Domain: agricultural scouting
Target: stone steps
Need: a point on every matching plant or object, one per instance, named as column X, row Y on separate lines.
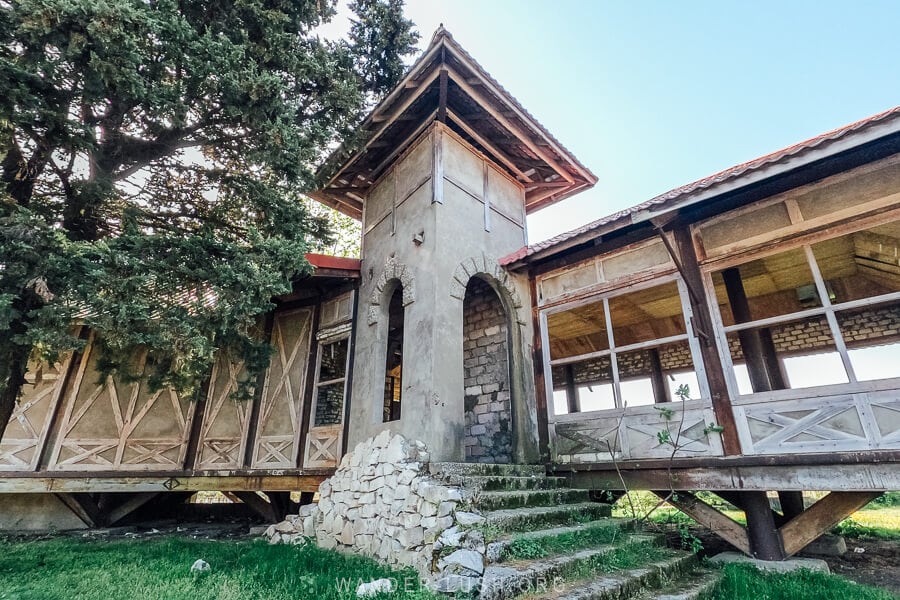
column 541, row 517
column 530, row 498
column 449, row 469
column 630, row 583
column 618, row 530
column 574, row 576
column 691, row 587
column 499, row 483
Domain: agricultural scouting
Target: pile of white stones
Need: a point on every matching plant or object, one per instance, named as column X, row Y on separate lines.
column 382, row 502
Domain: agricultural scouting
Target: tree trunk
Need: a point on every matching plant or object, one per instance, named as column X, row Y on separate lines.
column 13, row 361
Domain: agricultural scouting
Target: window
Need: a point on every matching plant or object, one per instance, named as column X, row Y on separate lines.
column 625, row 350
column 822, row 314
column 331, row 382
column 393, row 368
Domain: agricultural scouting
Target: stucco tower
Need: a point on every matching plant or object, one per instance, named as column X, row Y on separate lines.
column 444, row 336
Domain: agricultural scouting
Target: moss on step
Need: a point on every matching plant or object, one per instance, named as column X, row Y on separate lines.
column 530, row 519
column 523, row 499
column 540, row 546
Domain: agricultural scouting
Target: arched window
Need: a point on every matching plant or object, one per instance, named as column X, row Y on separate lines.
column 393, row 367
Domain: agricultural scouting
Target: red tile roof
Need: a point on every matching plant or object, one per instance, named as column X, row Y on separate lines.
column 728, row 175
column 324, row 261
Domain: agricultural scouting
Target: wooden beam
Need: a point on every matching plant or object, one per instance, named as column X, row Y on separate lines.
column 490, row 147
column 129, row 482
column 83, row 506
column 847, row 477
column 261, row 507
column 685, row 255
column 765, row 543
column 442, row 97
column 523, row 135
column 820, row 517
column 726, row 528
column 129, row 506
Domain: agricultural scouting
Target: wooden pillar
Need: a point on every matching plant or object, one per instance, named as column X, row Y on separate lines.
column 757, row 345
column 791, row 504
column 306, row 498
column 571, row 390
column 657, row 378
column 765, row 543
column 685, row 257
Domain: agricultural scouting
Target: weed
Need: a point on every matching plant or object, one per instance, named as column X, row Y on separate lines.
column 743, row 582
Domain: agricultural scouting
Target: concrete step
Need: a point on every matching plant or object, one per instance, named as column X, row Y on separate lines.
column 447, row 469
column 496, row 483
column 618, row 530
column 527, row 498
column 541, row 517
column 630, row 583
column 547, row 577
column 690, row 587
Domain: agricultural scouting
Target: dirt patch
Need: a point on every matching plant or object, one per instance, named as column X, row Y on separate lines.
column 867, row 561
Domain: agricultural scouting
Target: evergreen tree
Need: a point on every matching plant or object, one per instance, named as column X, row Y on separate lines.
column 152, row 159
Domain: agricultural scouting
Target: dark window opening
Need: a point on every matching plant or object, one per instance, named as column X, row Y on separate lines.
column 394, row 362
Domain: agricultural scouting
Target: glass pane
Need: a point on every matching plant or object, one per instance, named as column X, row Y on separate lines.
column 577, row 331
column 333, row 363
column 767, row 287
column 646, row 315
column 789, row 355
column 329, row 404
column 861, row 265
column 872, row 335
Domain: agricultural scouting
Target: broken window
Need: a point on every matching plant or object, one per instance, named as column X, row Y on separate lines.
column 821, row 314
column 394, row 359
column 628, row 349
column 331, row 382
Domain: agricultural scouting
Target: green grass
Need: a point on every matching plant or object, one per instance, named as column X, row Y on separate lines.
column 743, row 582
column 159, row 568
column 531, row 548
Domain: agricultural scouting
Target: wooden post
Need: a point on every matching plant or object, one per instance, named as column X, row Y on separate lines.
column 540, row 389
column 685, row 257
column 657, row 378
column 820, row 517
column 765, row 543
column 791, row 504
column 571, row 390
column 759, row 350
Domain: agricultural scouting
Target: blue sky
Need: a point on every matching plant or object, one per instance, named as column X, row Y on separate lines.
column 651, row 94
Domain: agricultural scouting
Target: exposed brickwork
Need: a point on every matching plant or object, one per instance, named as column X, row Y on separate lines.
column 488, row 436
column 860, row 328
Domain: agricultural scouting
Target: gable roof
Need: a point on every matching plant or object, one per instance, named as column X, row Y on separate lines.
column 446, row 84
column 792, row 157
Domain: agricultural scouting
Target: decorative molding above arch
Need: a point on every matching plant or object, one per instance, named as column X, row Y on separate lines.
column 393, row 270
column 491, row 271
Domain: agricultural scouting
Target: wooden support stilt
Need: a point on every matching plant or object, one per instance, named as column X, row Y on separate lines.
column 733, row 497
column 729, row 530
column 258, row 505
column 765, row 544
column 820, row 517
column 129, row 506
column 306, row 498
column 791, row 504
column 82, row 506
column 281, row 503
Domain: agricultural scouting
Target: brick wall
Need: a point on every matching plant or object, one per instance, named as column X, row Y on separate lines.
column 488, row 435
column 860, row 328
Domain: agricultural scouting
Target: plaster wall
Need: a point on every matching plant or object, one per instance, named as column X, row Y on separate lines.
column 434, row 238
column 36, row 512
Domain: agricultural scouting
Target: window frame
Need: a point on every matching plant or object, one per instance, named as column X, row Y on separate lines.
column 604, row 297
column 325, row 341
column 828, row 309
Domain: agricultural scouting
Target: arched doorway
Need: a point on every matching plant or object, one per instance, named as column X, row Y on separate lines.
column 488, row 406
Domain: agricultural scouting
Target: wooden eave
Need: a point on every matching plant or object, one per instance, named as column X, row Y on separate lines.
column 875, row 142
column 446, row 84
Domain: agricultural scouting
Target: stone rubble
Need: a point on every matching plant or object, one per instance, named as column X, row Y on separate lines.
column 382, row 503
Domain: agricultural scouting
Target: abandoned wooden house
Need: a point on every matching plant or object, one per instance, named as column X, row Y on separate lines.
column 740, row 334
